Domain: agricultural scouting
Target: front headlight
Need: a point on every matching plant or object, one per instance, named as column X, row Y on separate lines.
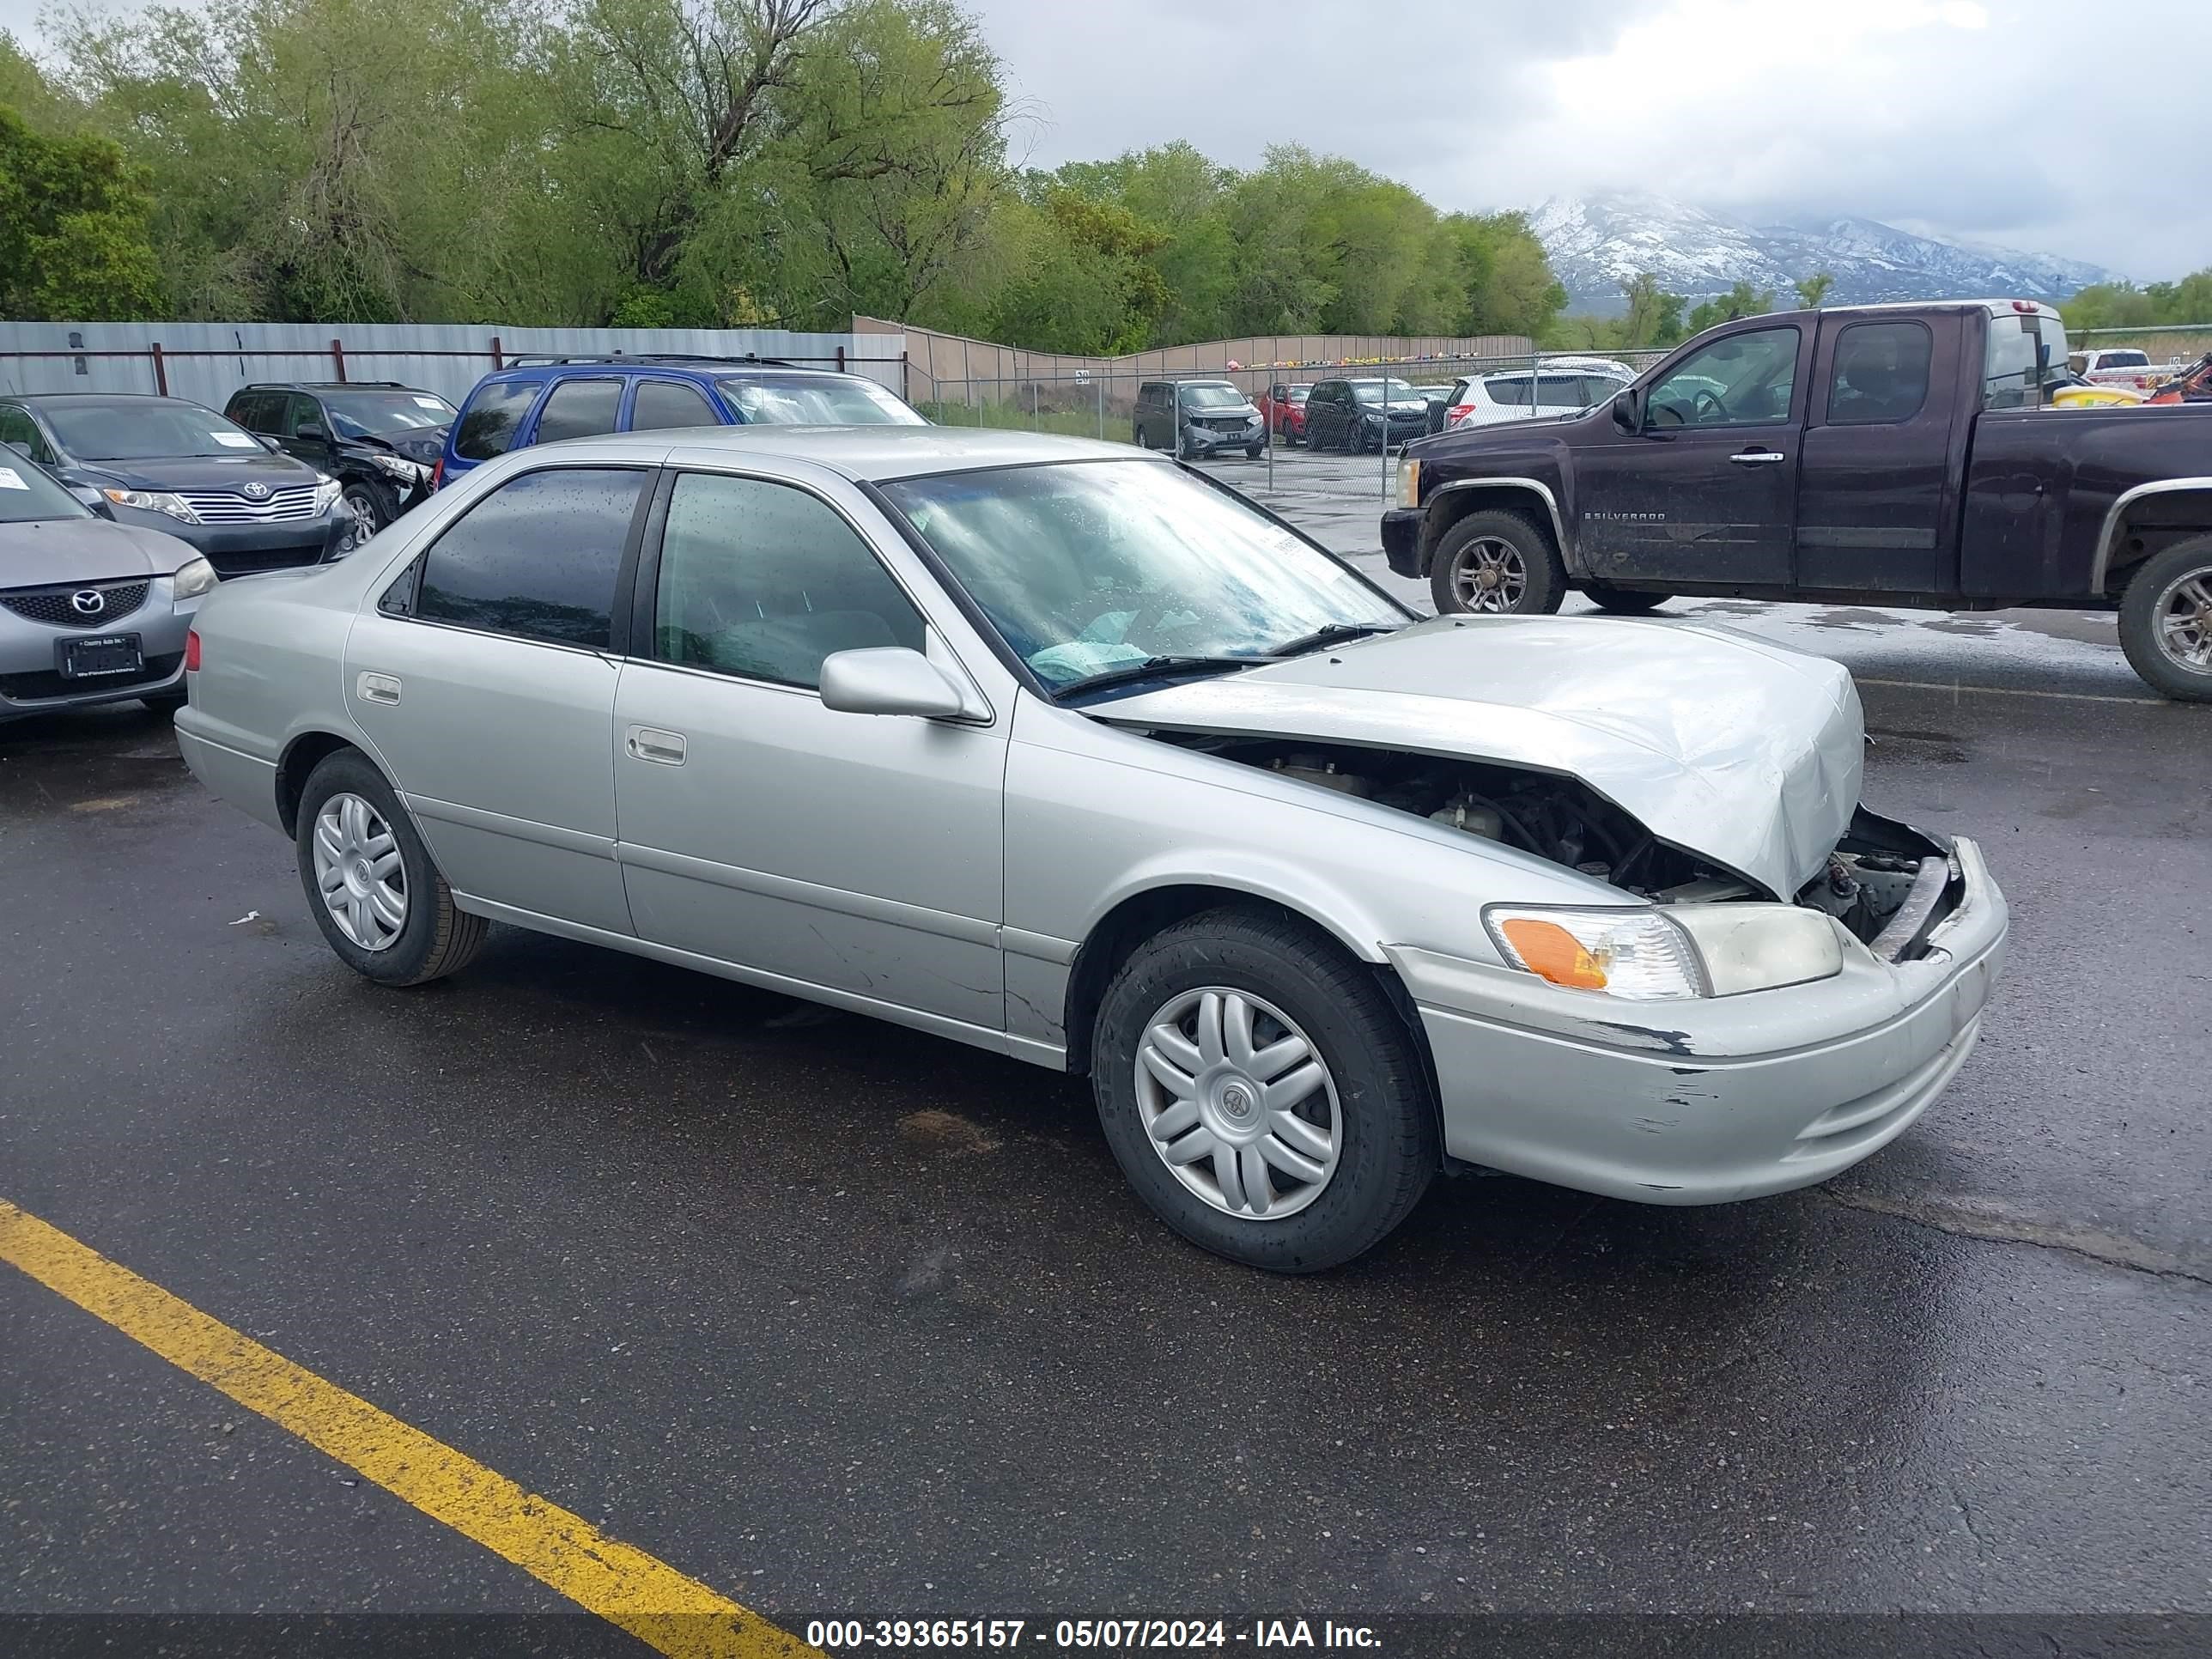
column 1635, row 955
column 1689, row 951
column 191, row 580
column 1409, row 483
column 153, row 500
column 1757, row 947
column 327, row 491
column 399, row 467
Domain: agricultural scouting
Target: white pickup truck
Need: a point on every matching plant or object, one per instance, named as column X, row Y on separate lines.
column 2127, row 366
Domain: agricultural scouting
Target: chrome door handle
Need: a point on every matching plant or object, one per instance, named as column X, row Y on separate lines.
column 649, row 743
column 1759, row 457
column 378, row 688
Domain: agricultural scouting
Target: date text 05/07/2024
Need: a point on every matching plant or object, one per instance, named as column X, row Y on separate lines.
column 832, row 1634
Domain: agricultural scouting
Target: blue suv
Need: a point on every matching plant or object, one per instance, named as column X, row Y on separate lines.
column 539, row 400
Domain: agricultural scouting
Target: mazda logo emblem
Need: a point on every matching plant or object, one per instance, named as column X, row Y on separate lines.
column 256, row 490
column 88, row 602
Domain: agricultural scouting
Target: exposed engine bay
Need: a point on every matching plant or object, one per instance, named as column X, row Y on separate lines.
column 1880, row 876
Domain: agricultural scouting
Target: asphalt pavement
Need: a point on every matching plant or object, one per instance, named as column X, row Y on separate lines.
column 846, row 1322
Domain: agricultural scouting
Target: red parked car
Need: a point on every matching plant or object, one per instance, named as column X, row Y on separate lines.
column 1284, row 408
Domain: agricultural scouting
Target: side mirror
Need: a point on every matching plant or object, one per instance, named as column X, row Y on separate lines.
column 270, row 443
column 88, row 496
column 889, row 680
column 312, row 432
column 1626, row 415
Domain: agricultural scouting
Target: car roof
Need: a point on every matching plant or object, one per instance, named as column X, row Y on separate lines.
column 709, row 368
column 332, row 385
column 878, row 453
column 89, row 399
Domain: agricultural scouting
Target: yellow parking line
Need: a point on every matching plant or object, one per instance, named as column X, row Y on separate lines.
column 625, row 1586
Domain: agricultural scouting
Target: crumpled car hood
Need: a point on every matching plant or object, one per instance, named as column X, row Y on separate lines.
column 1743, row 753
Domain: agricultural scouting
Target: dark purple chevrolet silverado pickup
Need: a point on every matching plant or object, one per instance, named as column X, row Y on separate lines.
column 1880, row 454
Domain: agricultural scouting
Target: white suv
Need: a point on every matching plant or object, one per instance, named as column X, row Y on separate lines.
column 1558, row 386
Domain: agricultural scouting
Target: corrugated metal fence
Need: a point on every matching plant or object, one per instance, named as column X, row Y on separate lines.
column 208, row 361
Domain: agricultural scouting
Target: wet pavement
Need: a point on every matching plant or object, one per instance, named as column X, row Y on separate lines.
column 846, row 1320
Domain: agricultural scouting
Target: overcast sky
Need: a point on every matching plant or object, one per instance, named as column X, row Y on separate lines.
column 2046, row 124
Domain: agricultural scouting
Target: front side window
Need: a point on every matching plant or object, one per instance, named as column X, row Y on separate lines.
column 817, row 400
column 1084, row 567
column 580, row 408
column 1745, row 380
column 657, row 404
column 487, row 430
column 305, row 418
column 764, row 580
column 1881, row 373
column 537, row 558
column 16, row 427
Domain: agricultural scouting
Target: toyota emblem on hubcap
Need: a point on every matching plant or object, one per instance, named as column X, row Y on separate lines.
column 1236, row 1100
column 88, row 602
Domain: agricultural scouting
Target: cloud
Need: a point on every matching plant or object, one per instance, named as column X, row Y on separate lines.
column 1981, row 119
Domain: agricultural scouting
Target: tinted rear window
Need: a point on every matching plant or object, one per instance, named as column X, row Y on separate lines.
column 659, row 403
column 538, row 557
column 580, row 408
column 487, row 430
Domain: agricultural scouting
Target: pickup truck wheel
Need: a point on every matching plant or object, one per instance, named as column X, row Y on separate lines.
column 2165, row 621
column 1260, row 1093
column 1622, row 601
column 1497, row 563
column 384, row 909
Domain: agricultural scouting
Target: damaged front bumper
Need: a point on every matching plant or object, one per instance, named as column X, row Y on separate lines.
column 1707, row 1100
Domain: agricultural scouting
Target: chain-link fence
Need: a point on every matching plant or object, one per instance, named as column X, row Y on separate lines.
column 1390, row 401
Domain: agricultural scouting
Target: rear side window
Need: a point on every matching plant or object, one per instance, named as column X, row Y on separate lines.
column 257, row 411
column 1881, row 373
column 660, row 404
column 580, row 408
column 1510, row 390
column 486, row 428
column 1560, row 392
column 537, row 558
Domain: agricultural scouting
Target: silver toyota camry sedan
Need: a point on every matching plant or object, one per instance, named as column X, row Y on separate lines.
column 1057, row 747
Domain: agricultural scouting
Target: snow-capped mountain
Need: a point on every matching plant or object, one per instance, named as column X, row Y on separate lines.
column 1599, row 242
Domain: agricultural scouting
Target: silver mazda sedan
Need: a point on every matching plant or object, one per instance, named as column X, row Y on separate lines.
column 1057, row 747
column 90, row 612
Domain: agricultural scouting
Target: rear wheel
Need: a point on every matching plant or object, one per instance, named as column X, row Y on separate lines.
column 382, row 905
column 2165, row 621
column 1622, row 601
column 1261, row 1094
column 1497, row 563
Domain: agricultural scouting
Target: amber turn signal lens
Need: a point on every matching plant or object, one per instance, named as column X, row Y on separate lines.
column 1551, row 952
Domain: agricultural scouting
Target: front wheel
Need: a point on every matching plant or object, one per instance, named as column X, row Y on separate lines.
column 1253, row 452
column 1622, row 601
column 384, row 909
column 1497, row 563
column 2165, row 621
column 373, row 506
column 1259, row 1092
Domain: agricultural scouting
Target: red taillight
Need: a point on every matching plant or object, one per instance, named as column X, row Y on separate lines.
column 1457, row 413
column 438, row 476
column 192, row 651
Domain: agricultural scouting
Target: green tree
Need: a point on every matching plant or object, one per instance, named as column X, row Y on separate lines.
column 73, row 229
column 1654, row 317
column 1086, row 284
column 1811, row 290
column 1740, row 301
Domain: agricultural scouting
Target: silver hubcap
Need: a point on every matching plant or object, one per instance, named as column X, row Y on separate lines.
column 1238, row 1103
column 2184, row 621
column 359, row 872
column 1490, row 574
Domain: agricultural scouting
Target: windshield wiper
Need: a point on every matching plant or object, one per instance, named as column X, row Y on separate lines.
column 1151, row 668
column 1331, row 635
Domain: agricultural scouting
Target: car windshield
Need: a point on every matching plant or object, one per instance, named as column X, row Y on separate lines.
column 28, row 495
column 358, row 414
column 144, row 430
column 812, row 400
column 1298, row 394
column 1370, row 392
column 1088, row 566
column 1210, row 397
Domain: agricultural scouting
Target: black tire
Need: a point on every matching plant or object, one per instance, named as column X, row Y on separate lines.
column 1137, row 435
column 1622, row 601
column 1542, row 578
column 373, row 506
column 1386, row 1121
column 2158, row 593
column 1253, row 452
column 436, row 938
